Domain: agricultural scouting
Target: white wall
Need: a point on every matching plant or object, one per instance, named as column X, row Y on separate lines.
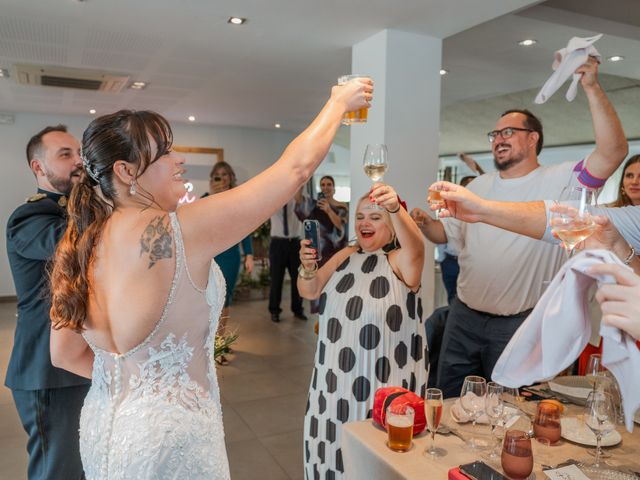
column 248, row 150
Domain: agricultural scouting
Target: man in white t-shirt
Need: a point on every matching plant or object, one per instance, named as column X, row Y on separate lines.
column 502, row 273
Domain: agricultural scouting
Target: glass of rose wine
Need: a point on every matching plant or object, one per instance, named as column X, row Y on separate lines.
column 375, row 161
column 433, row 412
column 572, row 216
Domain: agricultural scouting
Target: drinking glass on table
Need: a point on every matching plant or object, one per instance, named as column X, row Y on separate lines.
column 494, row 408
column 546, row 423
column 399, row 421
column 433, row 412
column 375, row 161
column 572, row 216
column 472, row 396
column 595, row 371
column 600, row 417
column 517, row 456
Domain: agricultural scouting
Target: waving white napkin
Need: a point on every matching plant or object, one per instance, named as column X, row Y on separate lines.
column 566, row 61
column 558, row 329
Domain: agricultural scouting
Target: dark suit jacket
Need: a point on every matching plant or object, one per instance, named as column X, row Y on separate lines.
column 33, row 231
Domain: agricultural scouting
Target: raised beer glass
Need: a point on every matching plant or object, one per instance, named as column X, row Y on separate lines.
column 357, row 116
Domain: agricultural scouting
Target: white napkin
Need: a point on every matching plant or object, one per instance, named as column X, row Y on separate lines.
column 566, row 61
column 558, row 329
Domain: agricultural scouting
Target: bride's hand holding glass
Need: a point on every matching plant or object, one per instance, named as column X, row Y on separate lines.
column 385, row 197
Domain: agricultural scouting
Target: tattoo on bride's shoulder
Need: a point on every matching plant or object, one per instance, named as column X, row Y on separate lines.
column 156, row 240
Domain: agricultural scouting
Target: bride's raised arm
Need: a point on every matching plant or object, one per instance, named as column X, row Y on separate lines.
column 215, row 223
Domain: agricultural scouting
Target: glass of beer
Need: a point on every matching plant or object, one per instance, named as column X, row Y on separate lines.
column 547, row 422
column 358, row 116
column 435, row 200
column 399, row 420
column 517, row 456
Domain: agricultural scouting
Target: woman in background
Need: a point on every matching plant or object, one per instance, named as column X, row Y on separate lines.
column 629, row 187
column 221, row 179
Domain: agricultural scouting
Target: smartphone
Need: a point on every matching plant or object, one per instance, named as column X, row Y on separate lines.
column 217, row 179
column 311, row 232
column 481, row 471
column 321, row 196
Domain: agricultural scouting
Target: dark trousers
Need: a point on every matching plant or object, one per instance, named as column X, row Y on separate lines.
column 283, row 256
column 51, row 418
column 450, row 271
column 472, row 343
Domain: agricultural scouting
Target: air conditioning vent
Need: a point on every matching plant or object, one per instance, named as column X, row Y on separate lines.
column 66, row 77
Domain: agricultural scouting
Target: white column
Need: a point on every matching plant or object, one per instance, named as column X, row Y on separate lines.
column 405, row 115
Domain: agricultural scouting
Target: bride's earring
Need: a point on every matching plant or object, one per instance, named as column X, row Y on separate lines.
column 132, row 188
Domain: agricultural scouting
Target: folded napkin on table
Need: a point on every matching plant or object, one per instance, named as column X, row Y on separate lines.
column 566, row 61
column 557, row 330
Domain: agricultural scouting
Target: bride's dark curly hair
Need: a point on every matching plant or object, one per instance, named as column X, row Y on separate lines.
column 124, row 135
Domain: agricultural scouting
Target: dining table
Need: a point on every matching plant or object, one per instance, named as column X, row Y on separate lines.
column 367, row 457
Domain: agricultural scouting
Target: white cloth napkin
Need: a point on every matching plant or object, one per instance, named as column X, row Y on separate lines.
column 558, row 329
column 565, row 62
column 458, row 414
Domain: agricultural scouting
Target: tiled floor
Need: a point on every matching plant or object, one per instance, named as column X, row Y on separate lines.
column 264, row 391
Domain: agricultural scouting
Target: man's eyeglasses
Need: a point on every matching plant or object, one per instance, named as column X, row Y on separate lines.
column 506, row 133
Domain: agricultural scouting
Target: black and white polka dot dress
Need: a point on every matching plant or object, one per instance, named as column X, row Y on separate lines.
column 371, row 335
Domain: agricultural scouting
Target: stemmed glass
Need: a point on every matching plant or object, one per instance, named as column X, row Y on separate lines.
column 433, row 411
column 572, row 216
column 375, row 161
column 494, row 408
column 472, row 395
column 600, row 417
column 595, row 370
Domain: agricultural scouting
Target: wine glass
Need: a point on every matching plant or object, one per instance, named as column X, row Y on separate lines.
column 517, row 455
column 600, row 417
column 375, row 161
column 494, row 408
column 472, row 395
column 595, row 370
column 572, row 216
column 433, row 412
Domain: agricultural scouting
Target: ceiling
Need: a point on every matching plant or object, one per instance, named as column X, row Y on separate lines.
column 277, row 67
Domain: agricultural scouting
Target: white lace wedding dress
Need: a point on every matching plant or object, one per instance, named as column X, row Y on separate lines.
column 154, row 412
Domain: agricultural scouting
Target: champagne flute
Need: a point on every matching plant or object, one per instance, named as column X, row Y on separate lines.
column 494, row 408
column 600, row 417
column 433, row 412
column 572, row 222
column 375, row 161
column 472, row 395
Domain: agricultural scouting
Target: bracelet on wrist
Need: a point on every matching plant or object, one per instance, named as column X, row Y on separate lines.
column 632, row 253
column 307, row 274
column 396, row 210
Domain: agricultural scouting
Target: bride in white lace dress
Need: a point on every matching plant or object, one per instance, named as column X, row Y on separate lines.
column 136, row 278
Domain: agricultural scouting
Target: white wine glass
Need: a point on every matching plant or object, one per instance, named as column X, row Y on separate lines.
column 572, row 216
column 375, row 161
column 494, row 408
column 433, row 404
column 472, row 396
column 600, row 417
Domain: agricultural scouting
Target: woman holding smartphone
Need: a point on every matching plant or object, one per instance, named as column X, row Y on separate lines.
column 371, row 331
column 221, row 179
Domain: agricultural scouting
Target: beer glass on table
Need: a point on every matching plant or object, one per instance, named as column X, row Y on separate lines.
column 572, row 216
column 357, row 116
column 433, row 404
column 399, row 421
column 375, row 161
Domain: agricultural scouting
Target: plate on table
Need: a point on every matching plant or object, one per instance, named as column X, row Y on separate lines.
column 576, row 430
column 575, row 388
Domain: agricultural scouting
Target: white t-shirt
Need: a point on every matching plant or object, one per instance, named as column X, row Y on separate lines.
column 502, row 272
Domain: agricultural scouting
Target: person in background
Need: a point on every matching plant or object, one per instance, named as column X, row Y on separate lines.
column 48, row 399
column 221, row 179
column 371, row 330
column 471, row 163
column 629, row 187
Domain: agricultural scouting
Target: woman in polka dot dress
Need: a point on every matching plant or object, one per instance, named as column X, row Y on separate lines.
column 371, row 330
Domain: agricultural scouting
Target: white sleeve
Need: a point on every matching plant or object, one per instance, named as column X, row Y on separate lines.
column 454, row 229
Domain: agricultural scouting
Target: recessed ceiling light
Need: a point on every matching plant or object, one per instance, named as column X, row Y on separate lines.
column 92, row 111
column 443, row 71
column 277, row 125
column 527, row 43
column 138, row 85
column 616, row 58
column 236, row 20
column 192, row 118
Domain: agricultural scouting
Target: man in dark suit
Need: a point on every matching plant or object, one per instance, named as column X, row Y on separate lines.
column 48, row 399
